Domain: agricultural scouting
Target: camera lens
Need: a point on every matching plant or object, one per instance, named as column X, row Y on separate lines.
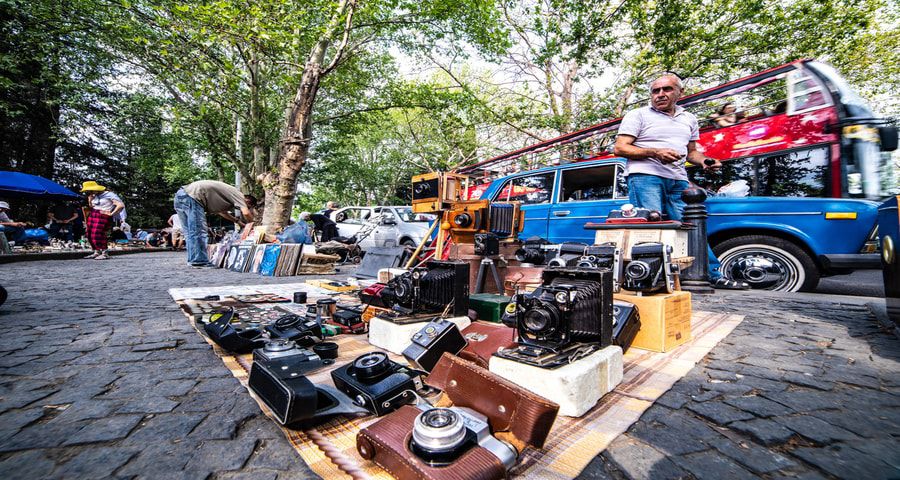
column 288, row 321
column 540, row 320
column 530, row 255
column 585, row 264
column 371, row 365
column 462, row 220
column 438, row 430
column 637, row 270
column 279, row 345
column 557, row 262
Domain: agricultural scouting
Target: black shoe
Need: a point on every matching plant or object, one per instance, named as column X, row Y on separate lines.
column 202, row 265
column 729, row 284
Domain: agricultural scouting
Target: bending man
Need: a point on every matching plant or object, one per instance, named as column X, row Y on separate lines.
column 194, row 201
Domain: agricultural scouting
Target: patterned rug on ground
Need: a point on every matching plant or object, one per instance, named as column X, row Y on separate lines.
column 330, row 448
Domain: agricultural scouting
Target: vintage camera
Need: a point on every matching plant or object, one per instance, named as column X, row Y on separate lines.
column 440, row 436
column 532, row 251
column 631, row 214
column 650, row 269
column 567, row 254
column 606, row 256
column 303, row 329
column 376, row 383
column 626, row 323
column 571, row 305
column 372, row 295
column 506, row 219
column 487, row 244
column 433, row 192
column 466, row 218
column 429, row 343
column 430, row 289
column 286, row 351
column 235, row 337
column 349, row 319
column 278, row 378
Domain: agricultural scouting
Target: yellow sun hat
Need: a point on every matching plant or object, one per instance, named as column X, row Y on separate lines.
column 92, row 186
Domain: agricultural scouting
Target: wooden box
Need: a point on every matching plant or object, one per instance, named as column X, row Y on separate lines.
column 626, row 238
column 665, row 320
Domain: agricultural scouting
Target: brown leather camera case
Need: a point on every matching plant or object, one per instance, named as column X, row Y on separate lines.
column 516, row 416
column 484, row 339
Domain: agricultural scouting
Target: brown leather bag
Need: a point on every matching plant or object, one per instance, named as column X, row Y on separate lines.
column 516, row 416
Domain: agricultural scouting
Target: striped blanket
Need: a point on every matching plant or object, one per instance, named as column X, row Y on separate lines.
column 330, row 448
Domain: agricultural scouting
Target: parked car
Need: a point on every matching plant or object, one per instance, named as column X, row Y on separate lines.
column 773, row 243
column 398, row 225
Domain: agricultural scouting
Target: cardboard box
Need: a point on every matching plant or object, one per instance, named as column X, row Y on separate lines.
column 665, row 320
column 626, row 238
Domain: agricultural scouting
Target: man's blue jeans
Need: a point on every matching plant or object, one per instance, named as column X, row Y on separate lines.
column 193, row 217
column 664, row 195
column 13, row 234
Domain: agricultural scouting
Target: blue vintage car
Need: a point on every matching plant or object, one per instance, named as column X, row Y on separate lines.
column 774, row 243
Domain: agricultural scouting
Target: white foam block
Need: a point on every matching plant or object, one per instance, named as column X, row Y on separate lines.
column 575, row 387
column 386, row 274
column 395, row 338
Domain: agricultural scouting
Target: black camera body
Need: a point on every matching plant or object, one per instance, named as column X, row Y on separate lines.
column 429, row 343
column 626, row 323
column 487, row 244
column 571, row 305
column 378, row 384
column 650, row 269
column 234, row 337
column 302, row 329
column 430, row 289
column 606, row 256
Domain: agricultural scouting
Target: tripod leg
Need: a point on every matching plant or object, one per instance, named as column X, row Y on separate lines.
column 497, row 278
column 479, row 279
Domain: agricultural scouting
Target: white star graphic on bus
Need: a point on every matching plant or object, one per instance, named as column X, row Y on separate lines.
column 808, row 118
column 718, row 137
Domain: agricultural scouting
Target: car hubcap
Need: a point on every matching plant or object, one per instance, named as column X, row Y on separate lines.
column 762, row 269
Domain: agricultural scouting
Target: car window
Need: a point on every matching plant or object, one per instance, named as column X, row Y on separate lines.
column 586, row 184
column 530, row 190
column 355, row 216
column 407, row 215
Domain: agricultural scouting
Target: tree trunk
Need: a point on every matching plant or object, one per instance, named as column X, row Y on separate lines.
column 281, row 187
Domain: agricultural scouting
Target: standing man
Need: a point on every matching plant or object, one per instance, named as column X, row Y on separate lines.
column 658, row 140
column 194, row 201
column 329, row 209
column 14, row 231
column 62, row 218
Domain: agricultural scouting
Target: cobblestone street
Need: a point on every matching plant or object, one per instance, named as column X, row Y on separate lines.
column 102, row 376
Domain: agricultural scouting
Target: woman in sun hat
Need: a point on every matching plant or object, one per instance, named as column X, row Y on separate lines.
column 105, row 207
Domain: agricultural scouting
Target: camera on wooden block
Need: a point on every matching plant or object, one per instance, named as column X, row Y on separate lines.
column 650, row 269
column 486, row 244
column 378, row 384
column 429, row 343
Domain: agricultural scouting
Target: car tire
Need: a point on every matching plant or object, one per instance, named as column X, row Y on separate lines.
column 767, row 263
column 408, row 243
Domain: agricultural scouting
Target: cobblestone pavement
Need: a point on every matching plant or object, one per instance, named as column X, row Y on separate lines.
column 102, row 376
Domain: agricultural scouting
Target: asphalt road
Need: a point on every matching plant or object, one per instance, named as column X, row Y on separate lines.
column 862, row 283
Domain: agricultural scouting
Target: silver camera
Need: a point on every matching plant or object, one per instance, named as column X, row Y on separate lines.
column 441, row 435
column 282, row 349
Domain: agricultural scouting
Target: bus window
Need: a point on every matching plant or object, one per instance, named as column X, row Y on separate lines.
column 805, row 94
column 584, row 184
column 795, row 174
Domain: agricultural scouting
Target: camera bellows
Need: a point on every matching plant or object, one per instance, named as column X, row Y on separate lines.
column 503, row 219
column 440, row 286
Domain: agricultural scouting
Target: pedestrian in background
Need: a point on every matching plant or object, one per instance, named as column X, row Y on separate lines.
column 105, row 208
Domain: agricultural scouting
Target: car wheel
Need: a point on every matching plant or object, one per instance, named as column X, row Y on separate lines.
column 767, row 263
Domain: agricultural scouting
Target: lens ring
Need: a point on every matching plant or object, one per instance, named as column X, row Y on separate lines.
column 462, row 220
column 371, row 365
column 637, row 270
column 438, row 430
column 279, row 345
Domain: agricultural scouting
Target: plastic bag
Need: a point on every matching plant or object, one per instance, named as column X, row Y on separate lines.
column 737, row 188
column 296, row 233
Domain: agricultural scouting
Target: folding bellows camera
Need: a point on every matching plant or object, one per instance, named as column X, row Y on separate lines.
column 430, row 289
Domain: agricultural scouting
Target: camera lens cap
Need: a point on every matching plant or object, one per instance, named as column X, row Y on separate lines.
column 326, row 350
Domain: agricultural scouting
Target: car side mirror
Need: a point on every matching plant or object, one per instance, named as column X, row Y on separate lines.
column 388, row 221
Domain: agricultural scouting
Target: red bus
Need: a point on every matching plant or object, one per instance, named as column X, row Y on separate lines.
column 793, row 130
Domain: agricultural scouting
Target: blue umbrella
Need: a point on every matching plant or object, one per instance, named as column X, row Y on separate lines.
column 23, row 185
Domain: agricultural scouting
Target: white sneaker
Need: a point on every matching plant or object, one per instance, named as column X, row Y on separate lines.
column 93, row 255
column 102, row 256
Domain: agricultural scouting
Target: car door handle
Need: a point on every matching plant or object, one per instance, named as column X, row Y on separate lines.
column 561, row 213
